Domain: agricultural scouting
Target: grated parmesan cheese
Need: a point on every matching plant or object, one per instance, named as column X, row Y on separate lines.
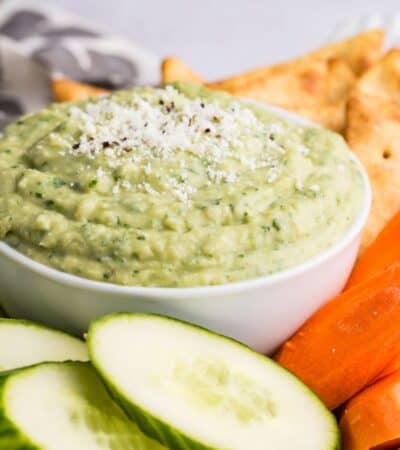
column 147, row 132
column 315, row 188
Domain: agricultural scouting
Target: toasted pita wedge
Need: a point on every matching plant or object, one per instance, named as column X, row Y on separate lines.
column 67, row 90
column 316, row 85
column 373, row 133
column 174, row 69
column 384, row 79
column 315, row 89
column 359, row 52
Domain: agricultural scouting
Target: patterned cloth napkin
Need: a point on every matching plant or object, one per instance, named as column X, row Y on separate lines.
column 40, row 42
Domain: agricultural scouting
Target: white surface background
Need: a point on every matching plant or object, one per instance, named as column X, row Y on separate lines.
column 221, row 37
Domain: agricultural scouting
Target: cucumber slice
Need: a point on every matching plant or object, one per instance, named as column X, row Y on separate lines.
column 24, row 343
column 63, row 406
column 192, row 389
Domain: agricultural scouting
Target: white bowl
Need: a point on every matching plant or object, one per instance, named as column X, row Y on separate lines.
column 261, row 313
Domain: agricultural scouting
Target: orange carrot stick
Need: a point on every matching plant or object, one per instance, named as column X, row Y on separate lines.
column 347, row 344
column 392, row 367
column 371, row 420
column 384, row 251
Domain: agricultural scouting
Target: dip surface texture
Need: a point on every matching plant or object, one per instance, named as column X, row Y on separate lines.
column 172, row 187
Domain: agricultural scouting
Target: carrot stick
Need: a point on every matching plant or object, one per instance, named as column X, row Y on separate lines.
column 347, row 344
column 384, row 251
column 371, row 420
column 392, row 367
column 390, row 445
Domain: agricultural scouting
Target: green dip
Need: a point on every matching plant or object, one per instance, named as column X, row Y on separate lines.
column 172, row 187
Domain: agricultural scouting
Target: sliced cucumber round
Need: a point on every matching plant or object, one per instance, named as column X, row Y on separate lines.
column 63, row 406
column 192, row 389
column 24, row 343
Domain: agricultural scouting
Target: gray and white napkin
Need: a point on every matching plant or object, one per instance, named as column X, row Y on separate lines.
column 38, row 42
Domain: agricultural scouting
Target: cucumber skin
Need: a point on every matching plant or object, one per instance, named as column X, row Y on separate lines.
column 10, row 437
column 40, row 326
column 155, row 428
column 158, row 429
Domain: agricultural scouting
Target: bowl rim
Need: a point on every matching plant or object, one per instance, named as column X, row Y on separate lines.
column 235, row 287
